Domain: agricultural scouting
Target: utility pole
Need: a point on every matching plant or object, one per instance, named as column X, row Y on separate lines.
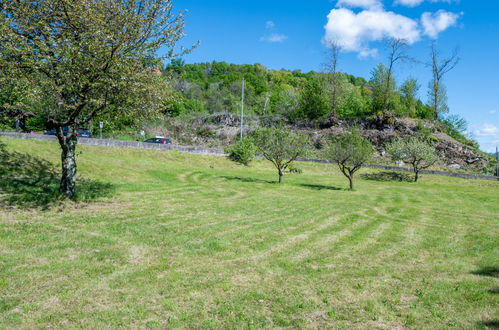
column 266, row 103
column 242, row 109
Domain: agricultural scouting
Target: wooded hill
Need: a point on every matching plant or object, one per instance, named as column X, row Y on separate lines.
column 297, row 98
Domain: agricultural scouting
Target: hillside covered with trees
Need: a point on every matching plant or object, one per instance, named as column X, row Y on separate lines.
column 302, row 99
column 292, row 95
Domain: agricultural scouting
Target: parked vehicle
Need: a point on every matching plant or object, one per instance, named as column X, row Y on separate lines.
column 83, row 132
column 159, row 139
column 80, row 132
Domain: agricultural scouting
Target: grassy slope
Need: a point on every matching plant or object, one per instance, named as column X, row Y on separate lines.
column 197, row 241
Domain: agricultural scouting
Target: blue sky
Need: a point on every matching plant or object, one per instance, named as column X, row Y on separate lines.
column 289, row 34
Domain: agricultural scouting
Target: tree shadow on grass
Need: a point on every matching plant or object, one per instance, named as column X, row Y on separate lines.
column 320, row 187
column 243, row 179
column 491, row 271
column 30, row 182
column 386, row 176
column 493, row 291
column 490, row 324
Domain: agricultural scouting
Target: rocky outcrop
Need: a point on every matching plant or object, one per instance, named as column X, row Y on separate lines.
column 456, row 153
column 383, row 129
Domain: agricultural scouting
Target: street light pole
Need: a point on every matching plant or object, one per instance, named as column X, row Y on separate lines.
column 242, row 109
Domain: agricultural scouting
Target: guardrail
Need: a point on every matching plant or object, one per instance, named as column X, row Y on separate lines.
column 120, row 144
column 220, row 153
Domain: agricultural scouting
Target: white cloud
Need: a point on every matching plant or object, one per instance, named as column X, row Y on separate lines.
column 274, row 38
column 354, row 31
column 435, row 23
column 414, row 3
column 493, row 112
column 408, row 3
column 489, row 146
column 271, row 36
column 366, row 4
column 487, row 130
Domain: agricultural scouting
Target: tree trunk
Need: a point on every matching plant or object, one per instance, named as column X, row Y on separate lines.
column 335, row 92
column 280, row 176
column 350, row 179
column 68, row 160
column 416, row 176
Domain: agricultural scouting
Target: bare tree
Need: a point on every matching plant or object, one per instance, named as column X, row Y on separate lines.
column 331, row 67
column 397, row 52
column 437, row 92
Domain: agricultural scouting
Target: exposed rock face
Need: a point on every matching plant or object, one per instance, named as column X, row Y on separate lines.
column 458, row 154
column 225, row 119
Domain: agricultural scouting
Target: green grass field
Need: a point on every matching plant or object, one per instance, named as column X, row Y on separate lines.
column 199, row 242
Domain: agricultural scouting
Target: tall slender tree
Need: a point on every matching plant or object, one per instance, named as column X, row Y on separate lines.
column 439, row 68
column 409, row 91
column 86, row 59
column 397, row 52
column 331, row 66
column 378, row 84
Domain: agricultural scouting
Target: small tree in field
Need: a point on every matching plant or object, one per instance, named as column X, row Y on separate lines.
column 280, row 146
column 86, row 59
column 350, row 151
column 415, row 151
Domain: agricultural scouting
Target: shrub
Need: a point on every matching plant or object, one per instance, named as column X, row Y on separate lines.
column 433, row 138
column 293, row 169
column 205, row 132
column 242, row 152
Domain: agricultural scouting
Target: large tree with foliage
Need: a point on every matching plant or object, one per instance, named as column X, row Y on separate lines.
column 383, row 88
column 314, row 102
column 409, row 91
column 350, row 151
column 415, row 151
column 86, row 59
column 280, row 146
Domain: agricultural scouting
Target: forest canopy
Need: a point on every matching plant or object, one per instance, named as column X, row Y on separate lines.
column 293, row 95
